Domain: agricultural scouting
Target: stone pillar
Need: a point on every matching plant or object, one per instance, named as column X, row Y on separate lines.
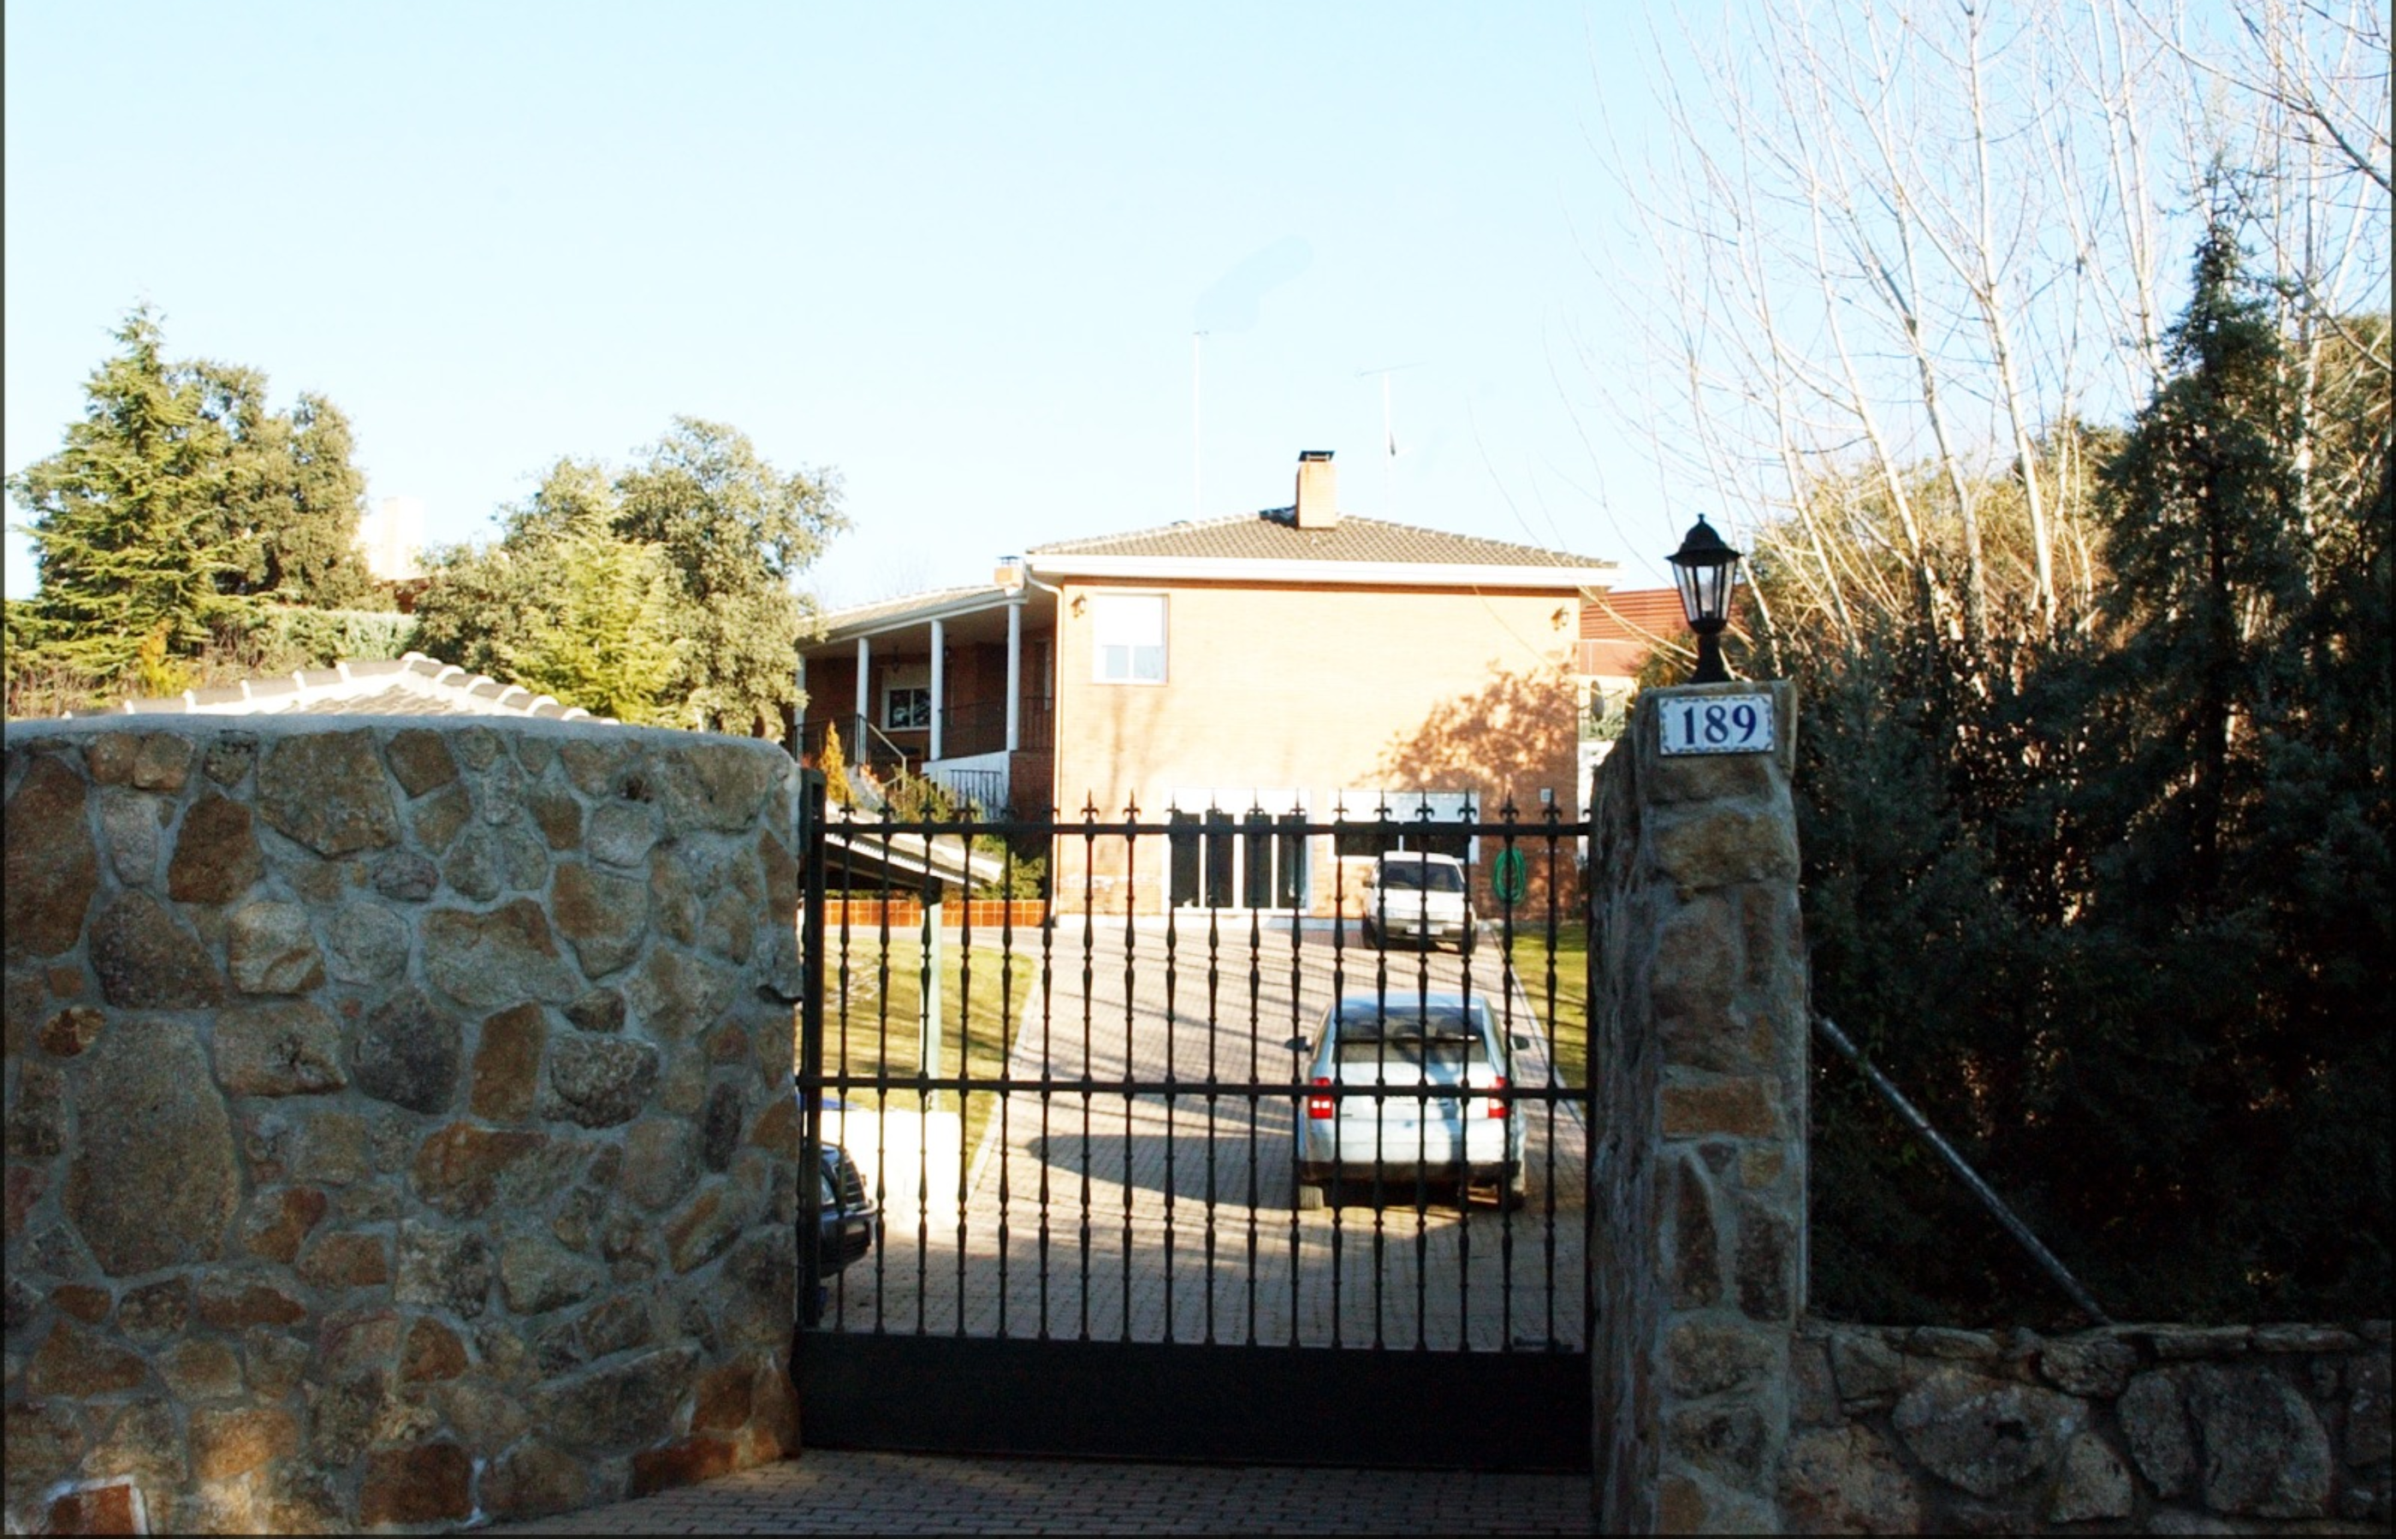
column 1698, row 1065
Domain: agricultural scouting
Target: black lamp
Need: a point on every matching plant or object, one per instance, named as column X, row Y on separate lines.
column 1706, row 570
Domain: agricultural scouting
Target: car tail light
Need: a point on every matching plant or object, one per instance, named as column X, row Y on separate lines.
column 1318, row 1107
column 1498, row 1104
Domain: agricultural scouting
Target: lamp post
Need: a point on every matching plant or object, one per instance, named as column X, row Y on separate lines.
column 1706, row 570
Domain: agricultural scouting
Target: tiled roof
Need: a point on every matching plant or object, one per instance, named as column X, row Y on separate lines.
column 413, row 686
column 865, row 614
column 1274, row 535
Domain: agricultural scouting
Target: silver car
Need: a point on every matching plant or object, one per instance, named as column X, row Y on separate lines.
column 1388, row 1104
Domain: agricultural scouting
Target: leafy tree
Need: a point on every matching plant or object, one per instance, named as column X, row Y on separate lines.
column 737, row 532
column 178, row 499
column 611, row 645
column 728, row 532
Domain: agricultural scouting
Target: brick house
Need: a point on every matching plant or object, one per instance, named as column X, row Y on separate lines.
column 1232, row 675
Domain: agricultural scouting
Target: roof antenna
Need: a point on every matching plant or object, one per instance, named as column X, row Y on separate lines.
column 1197, row 397
column 1389, row 450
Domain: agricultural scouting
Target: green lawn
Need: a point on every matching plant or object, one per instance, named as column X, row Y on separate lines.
column 1566, row 1011
column 880, row 1029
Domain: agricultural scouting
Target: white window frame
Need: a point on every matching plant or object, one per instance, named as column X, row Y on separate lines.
column 1099, row 645
column 890, row 693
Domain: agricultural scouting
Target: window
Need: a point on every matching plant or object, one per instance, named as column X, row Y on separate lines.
column 906, row 707
column 1374, row 821
column 1128, row 630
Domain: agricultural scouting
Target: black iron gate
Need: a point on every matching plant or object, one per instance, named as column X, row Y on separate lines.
column 1077, row 1121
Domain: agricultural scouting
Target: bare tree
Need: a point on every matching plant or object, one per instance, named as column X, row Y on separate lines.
column 1902, row 256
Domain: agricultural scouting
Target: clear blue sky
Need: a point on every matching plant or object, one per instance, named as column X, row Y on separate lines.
column 955, row 253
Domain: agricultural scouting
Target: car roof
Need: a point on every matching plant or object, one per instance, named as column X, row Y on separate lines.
column 1418, row 855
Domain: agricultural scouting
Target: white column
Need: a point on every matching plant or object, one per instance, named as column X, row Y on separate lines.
column 1013, row 675
column 864, row 698
column 939, row 689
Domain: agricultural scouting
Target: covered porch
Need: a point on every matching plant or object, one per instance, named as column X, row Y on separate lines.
column 957, row 686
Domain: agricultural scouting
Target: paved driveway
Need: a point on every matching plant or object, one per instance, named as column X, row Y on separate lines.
column 840, row 1492
column 1168, row 1216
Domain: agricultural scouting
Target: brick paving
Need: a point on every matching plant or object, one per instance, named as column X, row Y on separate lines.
column 844, row 1492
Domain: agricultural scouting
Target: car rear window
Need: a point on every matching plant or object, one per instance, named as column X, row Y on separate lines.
column 1435, row 1053
column 1421, row 876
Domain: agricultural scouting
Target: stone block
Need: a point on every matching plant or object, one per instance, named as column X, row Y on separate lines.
column 405, row 876
column 681, row 1464
column 2093, row 1484
column 428, row 1483
column 532, row 1480
column 626, row 1405
column 2156, row 1426
column 327, row 791
column 705, row 1230
column 407, row 1052
column 283, row 1048
column 622, row 834
column 52, row 867
column 236, row 1440
column 229, row 1302
column 152, row 1182
column 1705, row 846
column 606, row 917
column 2367, row 1441
column 230, row 757
column 155, row 1311
column 459, row 1168
column 83, row 1302
column 437, row 819
column 485, row 862
column 1697, row 1252
column 507, row 1064
column 162, row 761
column 346, row 1260
column 557, row 815
column 73, row 1362
column 366, row 943
column 104, row 1507
column 72, row 1031
column 535, row 1277
column 443, row 1269
column 1765, row 1259
column 199, row 1369
column 719, row 1126
column 109, row 757
column 600, row 1082
column 2266, row 1453
column 1844, row 1480
column 1742, row 1107
column 2098, row 1367
column 128, row 827
column 489, row 961
column 37, row 1114
column 419, row 760
column 145, row 958
column 1704, row 1358
column 1986, row 1436
column 279, row 1221
column 718, row 785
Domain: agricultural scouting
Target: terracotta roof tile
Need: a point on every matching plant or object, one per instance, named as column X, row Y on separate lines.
column 1274, row 535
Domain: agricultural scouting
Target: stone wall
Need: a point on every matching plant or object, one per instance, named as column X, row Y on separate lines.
column 1698, row 1060
column 399, row 1128
column 2142, row 1429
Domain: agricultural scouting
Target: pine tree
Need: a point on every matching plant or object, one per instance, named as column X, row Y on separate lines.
column 835, row 765
column 126, row 526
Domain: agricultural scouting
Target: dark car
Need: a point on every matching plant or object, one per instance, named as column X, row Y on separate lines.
column 847, row 1222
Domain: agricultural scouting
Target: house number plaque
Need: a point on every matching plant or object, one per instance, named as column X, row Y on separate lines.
column 1717, row 725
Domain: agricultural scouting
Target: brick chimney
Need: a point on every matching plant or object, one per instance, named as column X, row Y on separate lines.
column 1318, row 490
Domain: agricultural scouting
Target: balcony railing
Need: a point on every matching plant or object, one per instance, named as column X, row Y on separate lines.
column 980, row 728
